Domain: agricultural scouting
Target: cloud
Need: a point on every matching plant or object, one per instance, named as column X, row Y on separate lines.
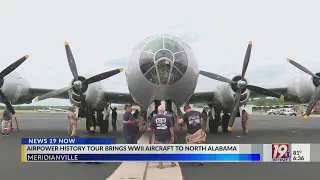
column 102, row 35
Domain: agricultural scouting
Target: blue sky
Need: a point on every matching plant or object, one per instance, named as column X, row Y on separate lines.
column 102, row 35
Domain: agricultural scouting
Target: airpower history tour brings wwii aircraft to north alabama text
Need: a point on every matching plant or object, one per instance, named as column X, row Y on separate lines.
column 162, row 70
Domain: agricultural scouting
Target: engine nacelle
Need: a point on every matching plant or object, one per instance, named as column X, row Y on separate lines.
column 15, row 88
column 224, row 94
column 93, row 94
column 301, row 88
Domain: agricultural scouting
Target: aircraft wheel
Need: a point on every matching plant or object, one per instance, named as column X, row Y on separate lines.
column 224, row 125
column 94, row 123
column 104, row 126
column 213, row 126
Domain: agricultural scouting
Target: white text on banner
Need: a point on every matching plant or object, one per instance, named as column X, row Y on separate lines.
column 300, row 152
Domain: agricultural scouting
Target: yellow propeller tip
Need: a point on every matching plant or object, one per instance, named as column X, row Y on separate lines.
column 121, row 69
column 305, row 116
column 250, row 42
column 26, row 56
column 288, row 59
column 66, row 43
column 91, row 128
column 229, row 128
column 36, row 99
column 15, row 115
column 282, row 97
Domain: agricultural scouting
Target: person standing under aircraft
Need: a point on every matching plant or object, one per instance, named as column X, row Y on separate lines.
column 163, row 132
column 244, row 121
column 73, row 121
column 205, row 119
column 135, row 114
column 194, row 123
column 6, row 117
column 114, row 116
column 130, row 127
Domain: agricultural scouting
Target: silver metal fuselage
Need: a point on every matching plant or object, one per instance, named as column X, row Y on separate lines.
column 15, row 88
column 145, row 92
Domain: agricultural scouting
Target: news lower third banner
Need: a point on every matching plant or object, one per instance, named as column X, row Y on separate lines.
column 105, row 150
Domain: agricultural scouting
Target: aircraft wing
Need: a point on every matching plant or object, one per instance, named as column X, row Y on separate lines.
column 34, row 92
column 113, row 97
column 201, row 97
column 119, row 98
column 280, row 91
column 204, row 97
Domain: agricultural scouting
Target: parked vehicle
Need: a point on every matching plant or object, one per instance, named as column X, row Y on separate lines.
column 273, row 112
column 290, row 113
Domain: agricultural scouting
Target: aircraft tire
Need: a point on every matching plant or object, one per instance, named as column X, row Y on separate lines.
column 213, row 126
column 104, row 126
column 224, row 125
column 94, row 123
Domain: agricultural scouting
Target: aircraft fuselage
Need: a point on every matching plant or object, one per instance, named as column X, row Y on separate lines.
column 162, row 68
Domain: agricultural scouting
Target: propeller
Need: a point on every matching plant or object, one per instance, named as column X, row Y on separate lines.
column 316, row 94
column 3, row 74
column 241, row 84
column 78, row 84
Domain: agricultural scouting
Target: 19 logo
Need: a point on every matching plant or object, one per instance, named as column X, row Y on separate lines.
column 280, row 152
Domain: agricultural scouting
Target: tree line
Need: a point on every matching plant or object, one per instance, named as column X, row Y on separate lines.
column 36, row 107
column 258, row 102
column 269, row 102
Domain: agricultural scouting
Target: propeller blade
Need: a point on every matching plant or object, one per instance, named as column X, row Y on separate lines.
column 102, row 76
column 87, row 110
column 312, row 102
column 302, row 68
column 13, row 66
column 52, row 94
column 263, row 91
column 7, row 103
column 235, row 108
column 216, row 77
column 246, row 60
column 72, row 63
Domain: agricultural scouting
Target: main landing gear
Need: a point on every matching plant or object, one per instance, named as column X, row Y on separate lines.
column 103, row 123
column 98, row 120
column 216, row 121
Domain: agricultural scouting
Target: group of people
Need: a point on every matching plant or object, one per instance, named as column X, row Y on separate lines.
column 161, row 126
column 73, row 119
column 163, row 133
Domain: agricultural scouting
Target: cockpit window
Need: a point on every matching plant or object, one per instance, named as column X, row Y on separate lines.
column 172, row 45
column 174, row 76
column 164, row 67
column 154, row 45
column 146, row 61
column 187, row 45
column 152, row 76
column 181, row 61
column 163, row 53
column 163, row 61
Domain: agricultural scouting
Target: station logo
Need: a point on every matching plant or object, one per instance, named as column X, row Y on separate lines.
column 280, row 152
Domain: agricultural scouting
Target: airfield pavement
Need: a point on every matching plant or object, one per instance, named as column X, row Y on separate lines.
column 262, row 129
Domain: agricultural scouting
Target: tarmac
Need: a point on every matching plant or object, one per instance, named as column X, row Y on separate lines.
column 262, row 129
column 49, row 125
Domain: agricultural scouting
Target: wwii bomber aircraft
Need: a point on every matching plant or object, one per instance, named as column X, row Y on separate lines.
column 164, row 70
